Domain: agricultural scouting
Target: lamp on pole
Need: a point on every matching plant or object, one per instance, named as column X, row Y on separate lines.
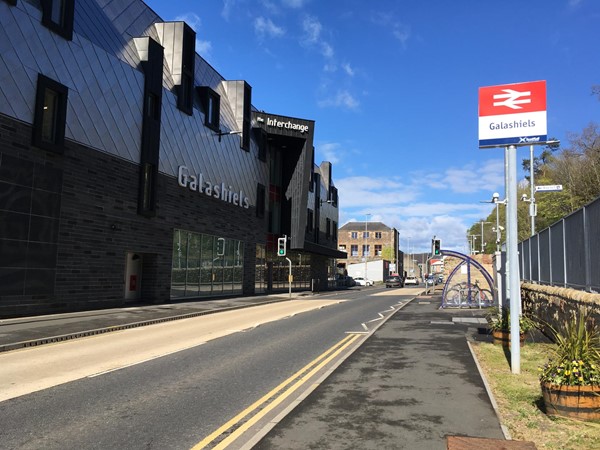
column 472, row 238
column 409, row 254
column 482, row 240
column 365, row 252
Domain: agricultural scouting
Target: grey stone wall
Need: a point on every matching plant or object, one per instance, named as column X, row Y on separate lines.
column 556, row 306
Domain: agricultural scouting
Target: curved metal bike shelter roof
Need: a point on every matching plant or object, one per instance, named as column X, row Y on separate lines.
column 465, row 259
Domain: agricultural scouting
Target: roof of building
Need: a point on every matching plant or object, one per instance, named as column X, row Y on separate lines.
column 360, row 226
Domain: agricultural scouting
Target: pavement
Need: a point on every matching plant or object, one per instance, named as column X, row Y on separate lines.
column 413, row 384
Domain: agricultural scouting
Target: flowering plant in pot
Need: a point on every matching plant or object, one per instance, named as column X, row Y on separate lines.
column 570, row 380
column 499, row 323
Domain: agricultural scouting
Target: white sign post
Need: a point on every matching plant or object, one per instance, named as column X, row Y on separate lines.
column 512, row 115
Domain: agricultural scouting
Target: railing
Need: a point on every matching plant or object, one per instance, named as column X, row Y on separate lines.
column 567, row 254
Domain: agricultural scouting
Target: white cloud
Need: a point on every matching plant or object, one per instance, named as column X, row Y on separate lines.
column 399, row 204
column 266, row 27
column 312, row 30
column 470, row 179
column 330, row 151
column 402, row 33
column 295, row 4
column 193, row 20
column 342, row 99
column 326, row 50
column 204, row 48
column 228, row 6
column 348, row 69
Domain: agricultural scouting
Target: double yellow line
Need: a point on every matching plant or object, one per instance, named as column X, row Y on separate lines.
column 300, row 377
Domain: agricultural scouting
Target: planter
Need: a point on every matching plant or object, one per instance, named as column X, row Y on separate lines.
column 503, row 338
column 575, row 402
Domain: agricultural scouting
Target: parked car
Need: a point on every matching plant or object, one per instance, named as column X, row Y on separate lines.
column 350, row 281
column 394, row 281
column 360, row 281
column 411, row 280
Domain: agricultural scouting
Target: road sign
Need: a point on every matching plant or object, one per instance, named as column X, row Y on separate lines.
column 549, row 188
column 512, row 114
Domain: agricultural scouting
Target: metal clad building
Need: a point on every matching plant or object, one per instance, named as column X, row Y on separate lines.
column 131, row 170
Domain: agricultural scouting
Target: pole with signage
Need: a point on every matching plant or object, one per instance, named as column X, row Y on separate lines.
column 512, row 115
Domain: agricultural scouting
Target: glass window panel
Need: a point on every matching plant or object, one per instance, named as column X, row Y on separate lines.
column 58, row 12
column 49, row 119
column 179, row 263
column 228, row 279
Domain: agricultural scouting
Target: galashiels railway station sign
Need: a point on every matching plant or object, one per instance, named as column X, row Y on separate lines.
column 512, row 114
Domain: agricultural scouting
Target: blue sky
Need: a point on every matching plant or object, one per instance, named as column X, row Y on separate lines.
column 393, row 88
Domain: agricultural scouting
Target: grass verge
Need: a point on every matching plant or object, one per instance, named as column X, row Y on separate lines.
column 520, row 403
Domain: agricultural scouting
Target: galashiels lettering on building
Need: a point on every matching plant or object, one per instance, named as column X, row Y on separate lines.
column 219, row 191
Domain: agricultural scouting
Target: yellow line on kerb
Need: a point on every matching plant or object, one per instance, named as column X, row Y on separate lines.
column 315, row 365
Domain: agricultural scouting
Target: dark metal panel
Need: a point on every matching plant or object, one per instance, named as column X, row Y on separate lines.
column 525, row 251
column 575, row 249
column 534, row 276
column 592, row 234
column 557, row 253
column 544, row 255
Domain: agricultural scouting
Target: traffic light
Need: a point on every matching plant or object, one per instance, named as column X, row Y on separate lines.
column 220, row 246
column 281, row 247
column 435, row 247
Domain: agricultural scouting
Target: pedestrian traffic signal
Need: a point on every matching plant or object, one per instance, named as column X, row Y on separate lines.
column 220, row 246
column 281, row 247
column 435, row 247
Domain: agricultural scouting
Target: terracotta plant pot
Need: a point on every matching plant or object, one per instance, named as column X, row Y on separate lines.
column 502, row 337
column 575, row 402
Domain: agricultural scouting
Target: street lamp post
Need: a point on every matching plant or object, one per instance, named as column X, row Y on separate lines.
column 482, row 240
column 365, row 252
column 409, row 254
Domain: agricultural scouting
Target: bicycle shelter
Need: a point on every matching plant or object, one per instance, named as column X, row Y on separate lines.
column 449, row 286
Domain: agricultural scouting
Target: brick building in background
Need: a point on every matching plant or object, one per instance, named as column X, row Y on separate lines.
column 371, row 241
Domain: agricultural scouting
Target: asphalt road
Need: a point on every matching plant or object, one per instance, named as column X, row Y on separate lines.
column 177, row 400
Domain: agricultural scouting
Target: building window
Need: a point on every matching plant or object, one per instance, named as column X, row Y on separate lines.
column 333, row 196
column 378, row 235
column 152, row 106
column 211, row 104
column 50, row 115
column 57, row 15
column 247, row 118
column 205, row 265
column 365, row 235
column 342, row 248
column 184, row 96
column 328, row 228
column 354, row 250
column 378, row 250
column 365, row 250
column 262, row 140
column 260, row 200
column 354, row 235
column 147, row 202
column 335, row 231
column 185, row 90
column 309, row 221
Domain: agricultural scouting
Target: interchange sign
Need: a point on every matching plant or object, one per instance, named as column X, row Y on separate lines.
column 512, row 114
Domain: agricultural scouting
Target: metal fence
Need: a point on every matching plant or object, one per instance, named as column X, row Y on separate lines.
column 567, row 254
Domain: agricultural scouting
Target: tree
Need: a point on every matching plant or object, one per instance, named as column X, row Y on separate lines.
column 576, row 167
